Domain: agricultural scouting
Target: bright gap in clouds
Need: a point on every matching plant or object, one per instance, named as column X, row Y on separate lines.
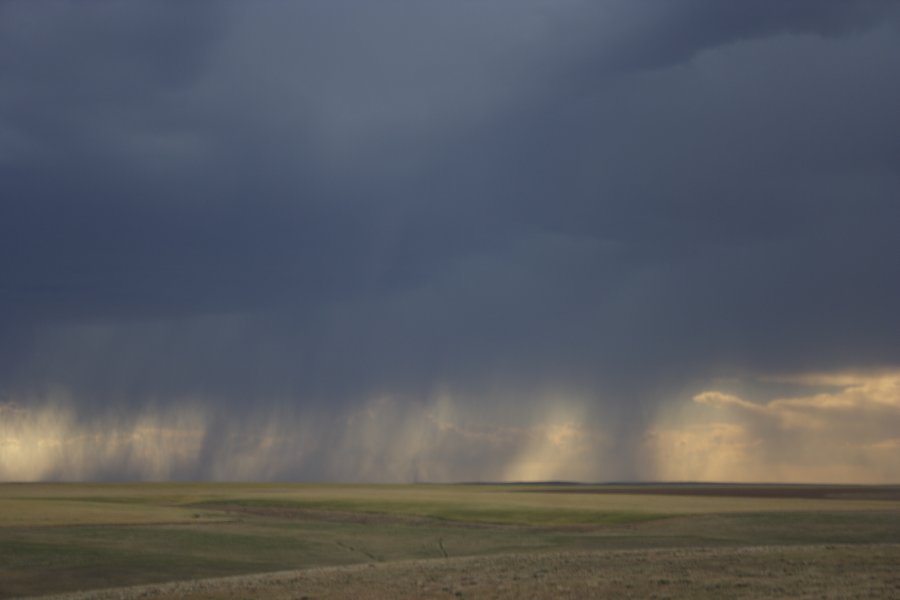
column 847, row 434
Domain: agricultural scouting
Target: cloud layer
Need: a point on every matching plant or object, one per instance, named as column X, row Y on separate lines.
column 307, row 208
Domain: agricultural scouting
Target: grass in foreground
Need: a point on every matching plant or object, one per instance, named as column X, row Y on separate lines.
column 65, row 537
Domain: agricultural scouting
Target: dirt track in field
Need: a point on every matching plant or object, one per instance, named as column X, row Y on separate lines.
column 334, row 516
column 863, row 571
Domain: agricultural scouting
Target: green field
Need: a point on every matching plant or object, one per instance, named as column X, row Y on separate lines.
column 69, row 537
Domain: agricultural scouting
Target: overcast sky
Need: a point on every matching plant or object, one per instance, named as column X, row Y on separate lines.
column 427, row 240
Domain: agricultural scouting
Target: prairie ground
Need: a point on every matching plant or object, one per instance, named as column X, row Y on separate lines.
column 511, row 541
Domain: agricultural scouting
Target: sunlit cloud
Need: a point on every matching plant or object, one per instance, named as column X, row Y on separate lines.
column 847, row 434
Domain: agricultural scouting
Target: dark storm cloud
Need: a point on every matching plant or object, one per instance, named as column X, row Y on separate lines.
column 313, row 204
column 666, row 33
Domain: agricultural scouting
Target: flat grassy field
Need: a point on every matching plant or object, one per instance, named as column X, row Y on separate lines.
column 508, row 541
